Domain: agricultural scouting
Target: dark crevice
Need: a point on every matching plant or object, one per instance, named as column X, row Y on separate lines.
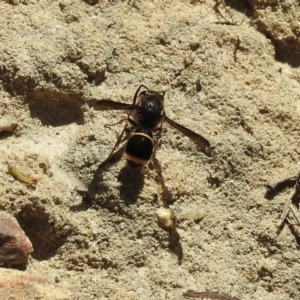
column 45, row 236
column 51, row 107
column 14, row 83
column 55, row 108
column 286, row 50
column 242, row 6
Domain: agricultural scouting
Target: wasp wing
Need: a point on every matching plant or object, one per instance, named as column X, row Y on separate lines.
column 112, row 105
column 195, row 137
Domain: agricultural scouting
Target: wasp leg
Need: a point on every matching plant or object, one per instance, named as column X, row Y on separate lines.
column 156, row 145
column 118, row 142
column 158, row 135
column 119, row 122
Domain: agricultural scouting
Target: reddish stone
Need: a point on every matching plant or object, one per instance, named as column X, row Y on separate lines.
column 15, row 247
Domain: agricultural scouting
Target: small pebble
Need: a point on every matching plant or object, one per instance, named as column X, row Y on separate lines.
column 166, row 218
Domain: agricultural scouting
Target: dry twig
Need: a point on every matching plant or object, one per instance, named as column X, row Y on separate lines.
column 209, row 295
column 293, row 195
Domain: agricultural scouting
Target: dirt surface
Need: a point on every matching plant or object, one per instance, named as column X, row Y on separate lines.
column 93, row 227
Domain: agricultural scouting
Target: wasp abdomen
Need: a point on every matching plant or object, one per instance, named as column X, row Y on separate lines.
column 139, row 147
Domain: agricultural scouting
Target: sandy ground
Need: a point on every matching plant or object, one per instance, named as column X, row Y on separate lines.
column 235, row 81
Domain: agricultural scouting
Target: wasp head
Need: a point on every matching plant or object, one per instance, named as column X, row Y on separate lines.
column 150, row 110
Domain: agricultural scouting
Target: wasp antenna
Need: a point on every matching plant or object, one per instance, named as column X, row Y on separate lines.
column 138, row 91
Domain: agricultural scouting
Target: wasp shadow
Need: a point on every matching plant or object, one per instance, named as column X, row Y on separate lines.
column 166, row 195
column 97, row 185
column 131, row 179
column 168, row 198
column 175, row 245
column 132, row 182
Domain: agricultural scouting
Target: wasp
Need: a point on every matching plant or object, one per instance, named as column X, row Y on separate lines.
column 144, row 122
